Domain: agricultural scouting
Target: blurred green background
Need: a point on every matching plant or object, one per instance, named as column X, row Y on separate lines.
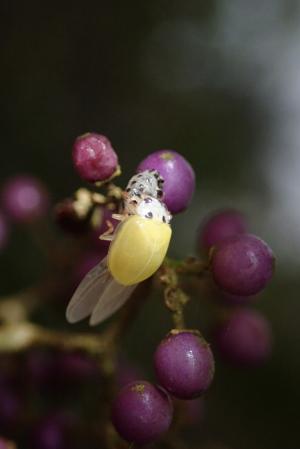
column 218, row 81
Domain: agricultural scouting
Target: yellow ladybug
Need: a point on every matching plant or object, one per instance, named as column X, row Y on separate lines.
column 138, row 248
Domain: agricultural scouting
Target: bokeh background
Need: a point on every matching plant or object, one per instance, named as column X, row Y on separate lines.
column 218, row 81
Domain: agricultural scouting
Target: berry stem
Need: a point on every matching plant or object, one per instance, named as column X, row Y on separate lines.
column 174, row 297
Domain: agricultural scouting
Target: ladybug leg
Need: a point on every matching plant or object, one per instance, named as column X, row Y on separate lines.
column 119, row 217
column 108, row 235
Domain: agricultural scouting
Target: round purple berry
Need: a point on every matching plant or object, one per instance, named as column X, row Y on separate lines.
column 94, row 157
column 242, row 265
column 25, row 199
column 178, row 175
column 141, row 412
column 184, row 365
column 244, row 339
column 220, row 226
column 4, row 231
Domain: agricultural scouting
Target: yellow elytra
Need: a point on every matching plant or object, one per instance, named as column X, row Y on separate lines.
column 138, row 249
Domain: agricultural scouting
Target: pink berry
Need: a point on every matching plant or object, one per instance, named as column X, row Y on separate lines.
column 178, row 176
column 94, row 158
column 25, row 199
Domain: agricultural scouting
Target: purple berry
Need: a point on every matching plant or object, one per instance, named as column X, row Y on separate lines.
column 178, row 175
column 184, row 365
column 141, row 412
column 4, row 231
column 242, row 265
column 244, row 339
column 220, row 226
column 25, row 199
column 94, row 158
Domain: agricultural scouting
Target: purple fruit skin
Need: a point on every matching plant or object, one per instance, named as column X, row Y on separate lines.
column 25, row 198
column 4, row 231
column 220, row 226
column 94, row 157
column 141, row 412
column 178, row 175
column 184, row 365
column 244, row 339
column 242, row 265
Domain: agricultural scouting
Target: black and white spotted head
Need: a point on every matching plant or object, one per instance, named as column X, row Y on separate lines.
column 146, row 183
column 153, row 208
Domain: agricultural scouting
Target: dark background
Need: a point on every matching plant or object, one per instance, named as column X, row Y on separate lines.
column 217, row 81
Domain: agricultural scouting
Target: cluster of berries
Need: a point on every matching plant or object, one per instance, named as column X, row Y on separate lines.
column 238, row 265
column 241, row 265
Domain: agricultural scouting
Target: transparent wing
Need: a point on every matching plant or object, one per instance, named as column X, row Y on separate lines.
column 113, row 297
column 88, row 292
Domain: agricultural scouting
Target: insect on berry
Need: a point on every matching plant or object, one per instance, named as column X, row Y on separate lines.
column 145, row 227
